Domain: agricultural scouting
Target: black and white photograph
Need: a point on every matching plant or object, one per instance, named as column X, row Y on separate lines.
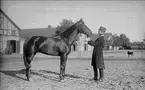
column 72, row 45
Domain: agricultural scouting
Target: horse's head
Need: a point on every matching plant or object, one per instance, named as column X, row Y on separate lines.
column 83, row 28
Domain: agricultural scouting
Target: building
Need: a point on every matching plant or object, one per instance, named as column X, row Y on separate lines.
column 27, row 33
column 9, row 35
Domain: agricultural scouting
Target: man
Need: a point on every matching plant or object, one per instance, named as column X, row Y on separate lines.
column 97, row 56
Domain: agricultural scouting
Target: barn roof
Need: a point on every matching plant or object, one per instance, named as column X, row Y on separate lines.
column 48, row 32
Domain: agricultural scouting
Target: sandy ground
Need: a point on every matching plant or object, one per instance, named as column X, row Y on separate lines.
column 121, row 73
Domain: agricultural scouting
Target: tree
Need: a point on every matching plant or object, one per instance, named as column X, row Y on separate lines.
column 121, row 40
column 144, row 37
column 125, row 42
column 116, row 40
column 49, row 26
column 65, row 24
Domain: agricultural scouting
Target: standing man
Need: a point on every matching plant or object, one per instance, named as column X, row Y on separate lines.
column 97, row 56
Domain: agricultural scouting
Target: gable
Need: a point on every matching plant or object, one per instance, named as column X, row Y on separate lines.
column 6, row 22
column 7, row 26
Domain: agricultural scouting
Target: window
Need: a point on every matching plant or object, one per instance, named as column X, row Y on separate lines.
column 16, row 33
column 5, row 32
column 9, row 32
column 9, row 25
column 5, row 23
column 1, row 22
column 1, row 32
column 74, row 47
column 85, row 47
column 13, row 32
column 1, row 44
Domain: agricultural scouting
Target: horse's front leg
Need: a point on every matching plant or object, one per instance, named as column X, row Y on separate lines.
column 63, row 59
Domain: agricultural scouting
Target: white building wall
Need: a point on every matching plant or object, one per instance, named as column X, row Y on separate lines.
column 90, row 48
column 21, row 46
column 5, row 38
column 81, row 42
column 4, row 45
column 81, row 47
column 22, row 40
column 110, row 48
column 116, row 47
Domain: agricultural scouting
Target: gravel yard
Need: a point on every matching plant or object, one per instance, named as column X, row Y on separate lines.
column 121, row 73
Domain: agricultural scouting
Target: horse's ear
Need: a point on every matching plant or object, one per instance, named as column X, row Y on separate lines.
column 81, row 19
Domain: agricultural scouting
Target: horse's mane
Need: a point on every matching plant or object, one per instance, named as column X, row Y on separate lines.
column 68, row 29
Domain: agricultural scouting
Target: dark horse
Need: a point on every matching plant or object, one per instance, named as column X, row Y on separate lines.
column 58, row 45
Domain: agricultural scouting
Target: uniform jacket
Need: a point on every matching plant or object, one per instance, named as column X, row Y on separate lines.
column 97, row 56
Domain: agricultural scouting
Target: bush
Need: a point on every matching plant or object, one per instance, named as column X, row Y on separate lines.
column 127, row 47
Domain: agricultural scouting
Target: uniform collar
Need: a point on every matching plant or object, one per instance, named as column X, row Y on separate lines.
column 101, row 35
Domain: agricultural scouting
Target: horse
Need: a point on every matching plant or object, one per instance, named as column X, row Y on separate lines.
column 58, row 45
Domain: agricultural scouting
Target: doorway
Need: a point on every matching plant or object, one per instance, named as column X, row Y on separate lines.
column 11, row 44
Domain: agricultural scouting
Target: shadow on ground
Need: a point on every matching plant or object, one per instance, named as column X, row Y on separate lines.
column 14, row 73
column 40, row 73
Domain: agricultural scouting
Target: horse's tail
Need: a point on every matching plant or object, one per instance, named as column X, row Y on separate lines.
column 27, row 65
column 27, row 50
column 25, row 58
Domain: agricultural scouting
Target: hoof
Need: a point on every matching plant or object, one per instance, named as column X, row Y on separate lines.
column 61, row 77
column 101, row 79
column 95, row 78
column 30, row 80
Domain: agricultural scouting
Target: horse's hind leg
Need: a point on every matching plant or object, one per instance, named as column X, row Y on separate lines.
column 27, row 62
column 63, row 59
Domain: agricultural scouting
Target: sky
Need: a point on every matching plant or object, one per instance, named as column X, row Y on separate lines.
column 127, row 17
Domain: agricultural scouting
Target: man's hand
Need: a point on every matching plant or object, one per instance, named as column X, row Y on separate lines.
column 88, row 39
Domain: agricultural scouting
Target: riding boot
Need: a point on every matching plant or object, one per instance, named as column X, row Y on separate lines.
column 95, row 73
column 101, row 74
